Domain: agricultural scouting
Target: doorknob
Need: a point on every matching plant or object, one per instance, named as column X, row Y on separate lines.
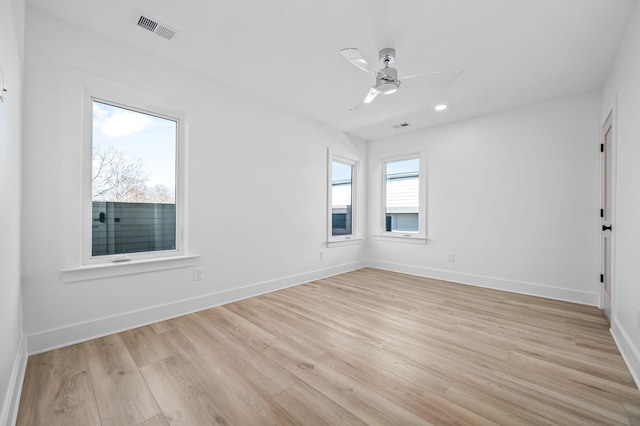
column 605, row 228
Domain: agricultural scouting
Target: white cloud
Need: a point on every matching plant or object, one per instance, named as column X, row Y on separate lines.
column 124, row 123
column 99, row 113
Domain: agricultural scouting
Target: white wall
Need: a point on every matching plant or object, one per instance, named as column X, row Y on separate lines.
column 622, row 95
column 256, row 177
column 514, row 195
column 12, row 348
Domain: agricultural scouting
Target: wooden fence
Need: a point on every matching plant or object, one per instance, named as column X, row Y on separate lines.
column 120, row 228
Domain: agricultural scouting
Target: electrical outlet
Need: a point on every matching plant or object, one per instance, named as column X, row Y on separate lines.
column 451, row 257
column 197, row 274
column 321, row 254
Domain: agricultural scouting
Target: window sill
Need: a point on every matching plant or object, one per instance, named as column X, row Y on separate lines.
column 349, row 242
column 401, row 239
column 107, row 270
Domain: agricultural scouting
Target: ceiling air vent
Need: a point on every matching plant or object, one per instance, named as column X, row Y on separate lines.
column 400, row 126
column 154, row 26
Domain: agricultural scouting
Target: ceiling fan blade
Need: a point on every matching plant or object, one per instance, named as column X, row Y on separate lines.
column 354, row 56
column 368, row 99
column 432, row 79
column 373, row 92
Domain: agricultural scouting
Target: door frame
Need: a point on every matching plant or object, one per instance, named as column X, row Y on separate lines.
column 610, row 120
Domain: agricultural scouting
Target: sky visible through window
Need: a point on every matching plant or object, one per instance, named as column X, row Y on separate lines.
column 403, row 166
column 124, row 138
column 340, row 171
column 341, row 175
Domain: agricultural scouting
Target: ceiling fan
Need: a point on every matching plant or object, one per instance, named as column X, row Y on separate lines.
column 387, row 81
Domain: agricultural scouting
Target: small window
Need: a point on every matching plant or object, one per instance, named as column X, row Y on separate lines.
column 134, row 181
column 342, row 184
column 403, row 201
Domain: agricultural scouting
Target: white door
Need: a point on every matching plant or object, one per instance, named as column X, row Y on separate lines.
column 605, row 214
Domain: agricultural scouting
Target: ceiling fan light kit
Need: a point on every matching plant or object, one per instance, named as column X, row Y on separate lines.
column 387, row 81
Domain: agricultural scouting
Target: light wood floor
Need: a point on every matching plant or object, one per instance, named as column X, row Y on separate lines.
column 367, row 347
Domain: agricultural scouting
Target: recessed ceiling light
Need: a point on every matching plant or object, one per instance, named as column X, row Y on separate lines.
column 440, row 107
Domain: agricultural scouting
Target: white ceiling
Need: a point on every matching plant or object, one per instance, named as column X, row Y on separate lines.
column 513, row 52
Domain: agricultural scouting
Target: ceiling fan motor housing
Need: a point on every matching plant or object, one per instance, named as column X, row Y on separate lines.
column 387, row 81
column 387, row 55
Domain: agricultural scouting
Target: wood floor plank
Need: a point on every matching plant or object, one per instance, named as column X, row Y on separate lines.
column 310, row 407
column 30, row 398
column 419, row 400
column 273, row 323
column 365, row 347
column 65, row 391
column 241, row 395
column 122, row 396
column 238, row 326
column 182, row 396
column 158, row 420
column 162, row 326
column 238, row 358
column 633, row 410
column 145, row 345
column 364, row 403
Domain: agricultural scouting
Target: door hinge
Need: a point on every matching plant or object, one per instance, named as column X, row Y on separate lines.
column 601, row 278
column 601, row 147
column 601, row 212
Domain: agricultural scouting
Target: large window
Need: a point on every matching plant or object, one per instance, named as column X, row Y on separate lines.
column 342, row 184
column 403, row 199
column 134, row 182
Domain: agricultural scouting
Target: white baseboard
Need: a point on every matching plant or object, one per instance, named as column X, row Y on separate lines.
column 629, row 351
column 9, row 412
column 532, row 289
column 65, row 336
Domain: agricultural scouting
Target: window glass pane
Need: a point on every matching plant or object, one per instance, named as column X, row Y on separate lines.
column 402, row 195
column 341, row 198
column 133, row 181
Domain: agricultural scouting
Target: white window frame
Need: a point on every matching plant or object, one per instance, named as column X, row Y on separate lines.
column 355, row 172
column 126, row 102
column 421, row 235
